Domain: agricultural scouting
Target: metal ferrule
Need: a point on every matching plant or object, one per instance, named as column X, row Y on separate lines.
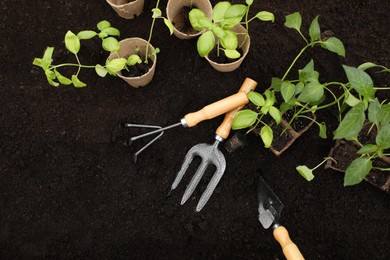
column 184, row 122
column 219, row 138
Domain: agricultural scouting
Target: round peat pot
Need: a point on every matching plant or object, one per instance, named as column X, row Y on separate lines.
column 127, row 9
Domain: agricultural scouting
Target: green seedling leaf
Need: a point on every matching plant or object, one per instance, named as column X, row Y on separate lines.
column 299, row 87
column 206, row 23
column 276, row 83
column 322, row 132
column 232, row 54
column 305, row 172
column 116, row 65
column 314, row 30
column 312, row 92
column 267, row 136
column 357, row 171
column 351, row 124
column 72, row 42
column 275, row 114
column 111, row 31
column 351, row 100
column 77, row 83
column 360, row 81
column 287, row 90
column 230, row 41
column 244, row 119
column 219, row 11
column 384, row 114
column 46, row 60
column 333, row 44
column 294, row 21
column 103, row 25
column 110, row 44
column 156, row 13
column 286, row 106
column 219, row 32
column 308, row 74
column 368, row 149
column 256, row 98
column 234, row 14
column 265, row 16
column 169, row 25
column 249, row 2
column 100, row 70
column 367, row 65
column 62, row 79
column 134, row 59
column 205, row 43
column 195, row 16
column 50, row 76
column 383, row 137
column 374, row 109
column 87, row 34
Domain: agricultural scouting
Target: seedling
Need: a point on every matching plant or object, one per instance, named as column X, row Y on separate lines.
column 218, row 31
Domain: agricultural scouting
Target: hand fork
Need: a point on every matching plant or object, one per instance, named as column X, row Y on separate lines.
column 210, row 154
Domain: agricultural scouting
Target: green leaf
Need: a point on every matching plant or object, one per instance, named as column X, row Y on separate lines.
column 383, row 137
column 287, row 90
column 111, row 31
column 333, row 44
column 169, row 25
column 50, row 76
column 156, row 13
column 314, row 30
column 265, row 16
column 243, row 119
column 77, row 83
column 195, row 16
column 351, row 124
column 308, row 74
column 205, row 43
column 322, row 132
column 110, row 44
column 312, row 92
column 62, row 79
column 384, row 114
column 103, row 25
column 267, row 136
column 275, row 114
column 232, row 54
column 368, row 149
column 360, row 81
column 100, row 70
column 249, row 2
column 72, row 42
column 367, row 65
column 305, row 172
column 234, row 14
column 256, row 98
column 276, row 83
column 219, row 32
column 230, row 41
column 47, row 58
column 219, row 11
column 351, row 100
column 134, row 59
column 357, row 171
column 374, row 109
column 294, row 21
column 85, row 35
column 116, row 65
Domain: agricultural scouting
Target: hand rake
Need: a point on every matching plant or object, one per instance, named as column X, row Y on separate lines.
column 210, row 154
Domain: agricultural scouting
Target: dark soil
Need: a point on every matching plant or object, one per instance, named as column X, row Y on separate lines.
column 182, row 21
column 67, row 191
column 137, row 69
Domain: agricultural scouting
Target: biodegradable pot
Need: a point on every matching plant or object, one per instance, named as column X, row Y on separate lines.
column 130, row 46
column 244, row 41
column 177, row 15
column 128, row 9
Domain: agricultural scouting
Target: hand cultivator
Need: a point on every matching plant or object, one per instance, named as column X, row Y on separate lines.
column 210, row 154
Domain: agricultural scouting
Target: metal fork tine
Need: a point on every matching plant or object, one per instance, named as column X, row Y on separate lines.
column 194, row 181
column 187, row 161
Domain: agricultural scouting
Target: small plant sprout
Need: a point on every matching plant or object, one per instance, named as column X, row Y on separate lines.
column 307, row 173
column 72, row 43
column 218, row 31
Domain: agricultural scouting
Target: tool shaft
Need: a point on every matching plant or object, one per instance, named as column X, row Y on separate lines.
column 155, row 131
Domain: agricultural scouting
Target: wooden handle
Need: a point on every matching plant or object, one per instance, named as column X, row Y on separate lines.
column 290, row 250
column 217, row 108
column 224, row 129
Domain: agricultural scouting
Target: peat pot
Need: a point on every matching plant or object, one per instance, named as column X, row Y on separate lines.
column 127, row 9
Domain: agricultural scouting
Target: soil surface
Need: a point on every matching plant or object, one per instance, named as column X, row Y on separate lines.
column 69, row 187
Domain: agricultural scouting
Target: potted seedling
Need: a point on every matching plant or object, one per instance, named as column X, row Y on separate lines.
column 287, row 109
column 178, row 13
column 136, row 59
column 105, row 32
column 225, row 40
column 128, row 9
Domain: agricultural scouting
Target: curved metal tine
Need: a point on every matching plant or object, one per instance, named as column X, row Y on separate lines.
column 135, row 156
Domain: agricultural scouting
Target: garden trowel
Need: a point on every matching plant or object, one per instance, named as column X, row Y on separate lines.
column 270, row 208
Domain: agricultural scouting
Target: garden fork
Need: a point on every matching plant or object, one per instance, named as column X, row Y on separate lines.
column 210, row 154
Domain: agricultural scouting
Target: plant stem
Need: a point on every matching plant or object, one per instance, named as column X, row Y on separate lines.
column 78, row 61
column 150, row 35
column 72, row 65
column 326, row 159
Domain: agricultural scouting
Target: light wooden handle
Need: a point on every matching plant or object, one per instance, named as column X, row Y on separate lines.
column 290, row 250
column 217, row 108
column 224, row 129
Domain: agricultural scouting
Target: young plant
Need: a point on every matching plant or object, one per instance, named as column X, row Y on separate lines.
column 218, row 31
column 73, row 44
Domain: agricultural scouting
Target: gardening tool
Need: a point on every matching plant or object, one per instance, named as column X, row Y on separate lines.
column 210, row 154
column 270, row 208
column 208, row 112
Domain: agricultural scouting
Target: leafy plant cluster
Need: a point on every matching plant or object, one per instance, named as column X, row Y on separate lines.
column 218, row 31
column 306, row 95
